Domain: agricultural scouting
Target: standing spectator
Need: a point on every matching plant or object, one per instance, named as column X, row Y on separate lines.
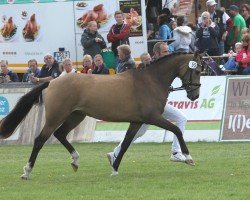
column 223, row 21
column 239, row 23
column 119, row 32
column 87, row 64
column 50, row 70
column 145, row 60
column 164, row 32
column 67, row 67
column 245, row 31
column 181, row 36
column 245, row 9
column 32, row 71
column 170, row 112
column 99, row 65
column 207, row 33
column 125, row 60
column 7, row 75
column 91, row 40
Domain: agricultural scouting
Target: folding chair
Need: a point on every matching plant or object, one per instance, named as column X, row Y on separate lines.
column 211, row 67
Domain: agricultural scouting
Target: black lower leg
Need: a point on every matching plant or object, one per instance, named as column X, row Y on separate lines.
column 131, row 132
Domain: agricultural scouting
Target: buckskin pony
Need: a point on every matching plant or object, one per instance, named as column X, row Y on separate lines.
column 135, row 96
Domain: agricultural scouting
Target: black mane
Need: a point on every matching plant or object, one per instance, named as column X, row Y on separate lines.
column 168, row 56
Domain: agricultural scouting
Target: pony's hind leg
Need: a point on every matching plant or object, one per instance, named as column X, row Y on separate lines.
column 61, row 133
column 130, row 134
column 39, row 142
column 163, row 123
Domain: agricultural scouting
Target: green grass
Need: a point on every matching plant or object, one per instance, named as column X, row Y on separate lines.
column 222, row 172
column 112, row 126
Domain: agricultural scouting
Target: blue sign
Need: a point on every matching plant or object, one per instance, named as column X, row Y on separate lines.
column 4, row 106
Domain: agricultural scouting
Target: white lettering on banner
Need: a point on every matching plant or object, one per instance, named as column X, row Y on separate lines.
column 238, row 122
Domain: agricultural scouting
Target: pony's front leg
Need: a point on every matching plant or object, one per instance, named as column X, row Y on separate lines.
column 163, row 123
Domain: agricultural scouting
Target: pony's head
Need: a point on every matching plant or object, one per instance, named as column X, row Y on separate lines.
column 191, row 79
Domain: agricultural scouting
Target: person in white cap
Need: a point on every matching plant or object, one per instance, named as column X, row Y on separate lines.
column 222, row 20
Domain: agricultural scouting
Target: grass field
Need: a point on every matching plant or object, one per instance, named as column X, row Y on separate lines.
column 222, row 172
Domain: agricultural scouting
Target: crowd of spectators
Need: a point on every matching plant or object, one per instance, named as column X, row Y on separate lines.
column 218, row 32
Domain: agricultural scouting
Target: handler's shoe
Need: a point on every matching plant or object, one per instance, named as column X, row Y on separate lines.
column 177, row 157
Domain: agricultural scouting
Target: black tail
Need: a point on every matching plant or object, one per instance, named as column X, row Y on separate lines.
column 22, row 108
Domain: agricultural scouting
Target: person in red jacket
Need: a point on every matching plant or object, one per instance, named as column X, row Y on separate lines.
column 119, row 32
column 246, row 60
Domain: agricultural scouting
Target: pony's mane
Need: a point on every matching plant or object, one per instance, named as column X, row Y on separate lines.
column 169, row 56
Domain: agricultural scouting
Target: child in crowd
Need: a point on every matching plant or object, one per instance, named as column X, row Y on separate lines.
column 245, row 62
column 235, row 58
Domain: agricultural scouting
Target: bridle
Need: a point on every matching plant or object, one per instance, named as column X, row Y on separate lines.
column 187, row 85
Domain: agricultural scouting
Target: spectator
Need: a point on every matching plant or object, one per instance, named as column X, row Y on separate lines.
column 91, row 40
column 207, row 34
column 7, row 75
column 221, row 18
column 192, row 47
column 99, row 65
column 50, row 70
column 245, row 31
column 164, row 32
column 67, row 67
column 246, row 61
column 173, row 25
column 160, row 49
column 125, row 60
column 87, row 64
column 245, row 9
column 32, row 71
column 182, row 37
column 145, row 60
column 170, row 112
column 239, row 23
column 119, row 32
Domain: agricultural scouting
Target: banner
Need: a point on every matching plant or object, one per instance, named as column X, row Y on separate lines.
column 236, row 116
column 180, row 7
column 209, row 105
column 29, row 29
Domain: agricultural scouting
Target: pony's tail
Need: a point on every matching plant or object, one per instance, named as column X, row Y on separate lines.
column 22, row 108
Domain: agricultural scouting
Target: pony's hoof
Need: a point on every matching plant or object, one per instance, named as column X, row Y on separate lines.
column 24, row 177
column 74, row 166
column 114, row 173
column 190, row 162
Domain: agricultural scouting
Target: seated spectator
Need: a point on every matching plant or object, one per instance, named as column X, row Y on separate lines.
column 6, row 74
column 181, row 36
column 245, row 31
column 32, row 71
column 99, row 65
column 91, row 40
column 164, row 32
column 67, row 67
column 234, row 60
column 125, row 62
column 145, row 60
column 246, row 61
column 87, row 64
column 207, row 33
column 49, row 71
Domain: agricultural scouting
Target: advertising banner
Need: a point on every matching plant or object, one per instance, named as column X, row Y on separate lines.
column 236, row 116
column 29, row 29
column 209, row 105
column 180, row 7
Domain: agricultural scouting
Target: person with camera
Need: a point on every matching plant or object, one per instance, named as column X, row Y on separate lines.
column 92, row 41
column 33, row 71
column 7, row 75
column 207, row 33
